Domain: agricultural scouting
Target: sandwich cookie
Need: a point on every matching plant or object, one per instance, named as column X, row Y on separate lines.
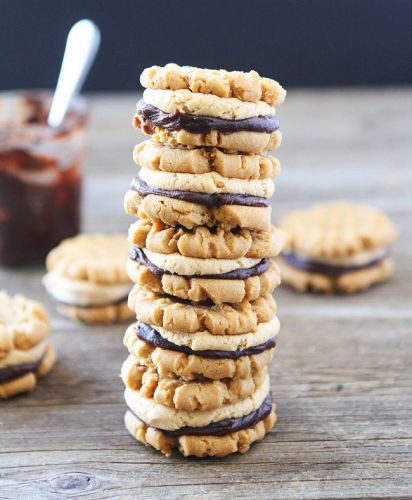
column 189, row 201
column 87, row 279
column 181, row 117
column 241, row 268
column 204, row 243
column 170, row 360
column 175, row 212
column 216, row 432
column 336, row 247
column 198, row 289
column 194, row 208
column 25, row 353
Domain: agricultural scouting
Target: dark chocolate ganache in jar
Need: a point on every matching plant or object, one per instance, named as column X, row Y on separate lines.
column 40, row 178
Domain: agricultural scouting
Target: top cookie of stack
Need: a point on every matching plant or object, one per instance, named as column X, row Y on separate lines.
column 201, row 107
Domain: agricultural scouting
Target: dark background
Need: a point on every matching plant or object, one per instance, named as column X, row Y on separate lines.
column 298, row 42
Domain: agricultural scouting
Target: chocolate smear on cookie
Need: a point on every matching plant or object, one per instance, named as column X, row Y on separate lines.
column 227, row 425
column 138, row 255
column 15, row 371
column 151, row 117
column 207, row 199
column 151, row 336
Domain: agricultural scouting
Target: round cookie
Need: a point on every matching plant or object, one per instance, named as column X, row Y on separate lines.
column 175, row 212
column 199, row 446
column 211, row 183
column 171, row 419
column 201, row 395
column 208, row 345
column 224, row 319
column 336, row 247
column 249, row 87
column 192, row 266
column 25, row 353
column 205, row 345
column 245, row 141
column 201, row 289
column 194, row 120
column 189, row 367
column 97, row 258
column 156, row 156
column 87, row 278
column 196, row 104
column 337, row 229
column 202, row 243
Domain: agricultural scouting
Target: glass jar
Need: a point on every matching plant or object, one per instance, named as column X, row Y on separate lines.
column 40, row 178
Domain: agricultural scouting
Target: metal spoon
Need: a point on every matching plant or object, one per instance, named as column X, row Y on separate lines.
column 82, row 44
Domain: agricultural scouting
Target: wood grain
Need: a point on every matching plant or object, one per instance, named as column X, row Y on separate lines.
column 342, row 374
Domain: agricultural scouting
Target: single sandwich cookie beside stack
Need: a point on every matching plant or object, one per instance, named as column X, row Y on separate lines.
column 202, row 259
column 86, row 278
column 336, row 247
column 25, row 352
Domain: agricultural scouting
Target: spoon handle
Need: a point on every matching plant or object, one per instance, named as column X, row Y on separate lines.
column 82, row 44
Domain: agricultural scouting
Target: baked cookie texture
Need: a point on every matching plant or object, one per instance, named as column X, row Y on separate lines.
column 25, row 353
column 183, row 160
column 173, row 212
column 97, row 258
column 249, row 87
column 336, row 229
column 244, row 141
column 224, row 319
column 201, row 289
column 197, row 104
column 199, row 395
column 87, row 278
column 205, row 243
column 189, row 367
column 175, row 263
column 209, row 182
column 199, row 446
column 202, row 260
column 171, row 419
column 336, row 247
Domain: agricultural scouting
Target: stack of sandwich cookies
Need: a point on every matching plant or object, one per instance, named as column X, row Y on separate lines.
column 336, row 247
column 201, row 259
column 25, row 353
column 87, row 280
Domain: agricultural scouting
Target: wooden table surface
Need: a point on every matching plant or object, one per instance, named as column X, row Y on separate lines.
column 342, row 373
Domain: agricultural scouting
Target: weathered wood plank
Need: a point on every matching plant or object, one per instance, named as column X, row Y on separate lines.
column 342, row 375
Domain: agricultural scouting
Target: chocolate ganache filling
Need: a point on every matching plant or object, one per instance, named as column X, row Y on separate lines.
column 138, row 255
column 151, row 117
column 151, row 336
column 326, row 269
column 207, row 199
column 227, row 425
column 15, row 371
